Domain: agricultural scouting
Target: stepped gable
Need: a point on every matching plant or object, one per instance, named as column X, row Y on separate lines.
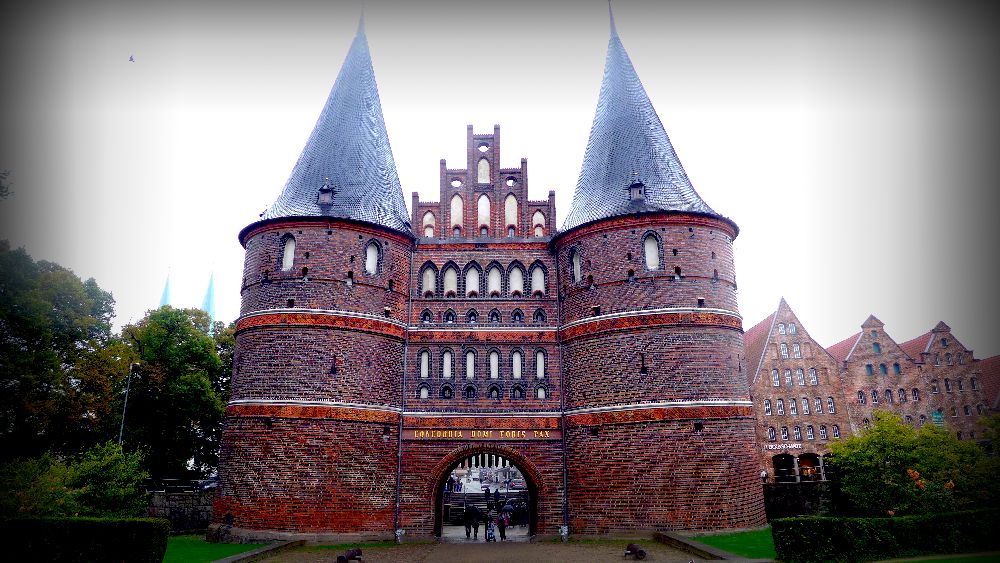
column 754, row 340
column 627, row 145
column 842, row 350
column 347, row 155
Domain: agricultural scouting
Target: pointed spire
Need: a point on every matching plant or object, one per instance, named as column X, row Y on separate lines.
column 346, row 168
column 165, row 297
column 208, row 304
column 611, row 17
column 629, row 165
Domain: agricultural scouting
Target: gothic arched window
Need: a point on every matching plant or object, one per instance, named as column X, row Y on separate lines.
column 287, row 252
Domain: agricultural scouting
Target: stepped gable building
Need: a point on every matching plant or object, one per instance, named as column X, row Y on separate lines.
column 796, row 390
column 378, row 350
column 930, row 379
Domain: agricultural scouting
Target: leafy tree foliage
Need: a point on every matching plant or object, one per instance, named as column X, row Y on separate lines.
column 178, row 392
column 58, row 360
column 894, row 469
column 104, row 481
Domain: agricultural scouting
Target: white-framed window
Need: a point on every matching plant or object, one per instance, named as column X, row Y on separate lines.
column 784, row 433
column 818, row 405
column 797, row 433
column 425, row 364
column 788, row 377
column 800, row 376
column 537, row 281
column 810, row 434
column 775, row 378
column 767, row 407
column 781, row 406
column 372, row 254
column 813, row 379
column 470, row 364
column 831, row 407
column 516, row 361
column 836, row 431
column 472, row 283
column 781, row 328
column 771, row 434
column 457, row 206
column 494, row 364
column 861, row 397
column 784, row 350
column 796, row 350
column 874, row 396
column 793, row 406
column 805, row 405
column 651, row 251
column 822, row 433
column 447, row 363
column 287, row 252
column 792, row 329
column 428, row 283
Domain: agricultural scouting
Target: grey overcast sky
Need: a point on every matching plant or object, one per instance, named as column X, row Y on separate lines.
column 855, row 143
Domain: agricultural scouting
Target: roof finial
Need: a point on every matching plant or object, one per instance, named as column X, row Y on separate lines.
column 611, row 16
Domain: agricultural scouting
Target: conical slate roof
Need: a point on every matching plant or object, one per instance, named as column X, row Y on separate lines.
column 628, row 145
column 348, row 151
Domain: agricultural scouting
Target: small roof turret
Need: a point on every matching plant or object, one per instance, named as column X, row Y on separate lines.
column 628, row 149
column 346, row 168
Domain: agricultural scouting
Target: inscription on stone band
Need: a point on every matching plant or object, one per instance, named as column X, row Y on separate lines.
column 479, row 434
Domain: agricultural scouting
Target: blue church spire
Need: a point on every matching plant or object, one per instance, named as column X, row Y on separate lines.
column 346, row 168
column 628, row 145
column 208, row 304
column 165, row 296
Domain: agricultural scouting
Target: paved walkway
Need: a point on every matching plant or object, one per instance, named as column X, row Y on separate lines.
column 515, row 552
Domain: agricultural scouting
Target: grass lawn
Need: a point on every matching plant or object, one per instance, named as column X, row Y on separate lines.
column 194, row 549
column 756, row 544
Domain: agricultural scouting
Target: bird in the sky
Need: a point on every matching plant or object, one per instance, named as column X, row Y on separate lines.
column 131, row 59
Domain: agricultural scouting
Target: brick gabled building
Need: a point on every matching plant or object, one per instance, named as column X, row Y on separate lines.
column 379, row 349
column 797, row 392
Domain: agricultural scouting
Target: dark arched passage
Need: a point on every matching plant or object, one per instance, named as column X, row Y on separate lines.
column 491, row 457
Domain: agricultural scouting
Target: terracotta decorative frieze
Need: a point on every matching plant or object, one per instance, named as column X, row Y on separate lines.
column 330, row 319
column 657, row 414
column 508, row 423
column 640, row 320
column 314, row 412
column 484, row 335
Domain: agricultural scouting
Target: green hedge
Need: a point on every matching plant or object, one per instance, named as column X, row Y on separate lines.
column 868, row 539
column 85, row 539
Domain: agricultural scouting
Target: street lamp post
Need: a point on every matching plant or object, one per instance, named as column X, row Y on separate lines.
column 128, row 383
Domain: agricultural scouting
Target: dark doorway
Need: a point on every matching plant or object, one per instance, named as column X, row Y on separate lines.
column 784, row 469
column 463, row 484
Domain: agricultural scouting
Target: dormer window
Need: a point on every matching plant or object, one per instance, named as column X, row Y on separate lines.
column 637, row 191
column 326, row 191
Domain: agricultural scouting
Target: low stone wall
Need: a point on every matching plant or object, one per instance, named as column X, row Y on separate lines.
column 785, row 500
column 191, row 510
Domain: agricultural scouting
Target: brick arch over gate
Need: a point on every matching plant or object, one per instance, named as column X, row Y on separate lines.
column 533, row 479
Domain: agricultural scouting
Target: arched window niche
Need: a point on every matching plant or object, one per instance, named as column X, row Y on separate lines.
column 574, row 260
column 287, row 252
column 483, row 169
column 651, row 251
column 457, row 205
column 429, row 224
column 373, row 254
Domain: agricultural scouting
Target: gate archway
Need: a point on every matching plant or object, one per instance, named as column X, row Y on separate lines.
column 488, row 456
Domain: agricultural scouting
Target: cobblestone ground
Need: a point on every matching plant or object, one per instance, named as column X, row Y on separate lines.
column 583, row 551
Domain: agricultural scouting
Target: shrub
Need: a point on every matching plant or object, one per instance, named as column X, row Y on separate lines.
column 85, row 539
column 103, row 482
column 865, row 539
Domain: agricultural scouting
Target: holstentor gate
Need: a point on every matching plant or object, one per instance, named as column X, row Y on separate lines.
column 377, row 347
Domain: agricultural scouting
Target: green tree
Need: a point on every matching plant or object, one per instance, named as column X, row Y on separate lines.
column 176, row 400
column 57, row 376
column 894, row 469
column 103, row 481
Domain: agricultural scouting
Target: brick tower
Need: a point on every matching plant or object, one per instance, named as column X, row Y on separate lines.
column 311, row 435
column 650, row 334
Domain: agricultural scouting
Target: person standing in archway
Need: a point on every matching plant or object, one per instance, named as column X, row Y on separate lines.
column 471, row 518
column 486, row 494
